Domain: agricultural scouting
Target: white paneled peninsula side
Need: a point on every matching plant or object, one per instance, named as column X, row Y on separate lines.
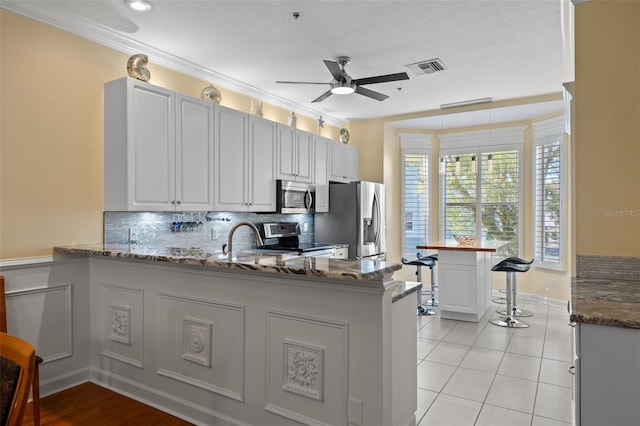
column 257, row 339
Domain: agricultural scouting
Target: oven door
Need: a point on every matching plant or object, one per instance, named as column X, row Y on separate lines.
column 295, row 197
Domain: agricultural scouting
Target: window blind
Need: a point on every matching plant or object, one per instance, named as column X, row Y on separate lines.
column 501, row 199
column 416, row 201
column 547, row 202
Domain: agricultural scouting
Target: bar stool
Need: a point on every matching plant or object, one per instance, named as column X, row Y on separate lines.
column 517, row 312
column 433, row 301
column 428, row 261
column 511, row 265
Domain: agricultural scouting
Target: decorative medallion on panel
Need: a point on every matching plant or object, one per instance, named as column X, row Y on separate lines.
column 120, row 324
column 197, row 341
column 303, row 370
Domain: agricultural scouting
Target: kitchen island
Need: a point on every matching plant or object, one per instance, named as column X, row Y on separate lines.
column 464, row 277
column 258, row 338
column 606, row 351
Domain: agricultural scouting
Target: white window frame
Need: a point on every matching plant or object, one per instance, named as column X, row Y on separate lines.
column 482, row 142
column 415, row 143
column 549, row 131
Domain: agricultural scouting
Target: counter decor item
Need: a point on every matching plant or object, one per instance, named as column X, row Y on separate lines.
column 137, row 67
column 344, row 135
column 292, row 120
column 211, row 94
column 256, row 108
column 465, row 240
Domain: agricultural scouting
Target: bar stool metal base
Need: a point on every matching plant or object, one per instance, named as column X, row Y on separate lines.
column 426, row 310
column 517, row 312
column 508, row 322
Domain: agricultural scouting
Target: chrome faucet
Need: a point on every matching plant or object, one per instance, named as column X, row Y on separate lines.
column 226, row 248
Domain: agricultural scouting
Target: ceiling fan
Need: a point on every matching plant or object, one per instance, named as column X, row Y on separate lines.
column 343, row 84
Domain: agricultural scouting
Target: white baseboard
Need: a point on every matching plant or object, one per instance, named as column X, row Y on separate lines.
column 535, row 298
column 168, row 403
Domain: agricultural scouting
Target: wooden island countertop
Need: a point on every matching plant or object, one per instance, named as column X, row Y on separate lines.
column 482, row 245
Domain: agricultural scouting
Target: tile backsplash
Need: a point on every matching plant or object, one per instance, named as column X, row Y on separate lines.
column 211, row 229
column 608, row 267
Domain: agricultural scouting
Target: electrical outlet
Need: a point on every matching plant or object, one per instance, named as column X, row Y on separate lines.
column 553, row 283
column 214, row 234
column 133, row 235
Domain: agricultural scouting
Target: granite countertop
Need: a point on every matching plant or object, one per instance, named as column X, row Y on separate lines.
column 600, row 301
column 255, row 260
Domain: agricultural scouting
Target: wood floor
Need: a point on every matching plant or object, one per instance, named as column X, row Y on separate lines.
column 90, row 404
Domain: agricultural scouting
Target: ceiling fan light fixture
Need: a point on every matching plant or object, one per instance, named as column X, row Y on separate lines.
column 139, row 5
column 342, row 87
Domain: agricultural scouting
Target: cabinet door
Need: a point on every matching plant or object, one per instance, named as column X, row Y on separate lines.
column 194, row 154
column 231, row 138
column 351, row 162
column 337, row 162
column 262, row 160
column 322, row 173
column 151, row 147
column 304, row 157
column 286, row 153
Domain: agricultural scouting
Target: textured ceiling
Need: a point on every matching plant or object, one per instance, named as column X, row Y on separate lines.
column 500, row 49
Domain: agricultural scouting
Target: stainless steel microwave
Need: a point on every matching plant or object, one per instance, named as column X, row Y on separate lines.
column 295, row 197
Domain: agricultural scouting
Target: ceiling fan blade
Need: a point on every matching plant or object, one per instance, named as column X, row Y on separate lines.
column 382, row 78
column 371, row 94
column 299, row 82
column 335, row 70
column 322, row 97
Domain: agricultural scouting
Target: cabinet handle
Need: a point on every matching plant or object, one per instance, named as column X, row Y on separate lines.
column 572, row 370
column 178, row 202
column 173, row 202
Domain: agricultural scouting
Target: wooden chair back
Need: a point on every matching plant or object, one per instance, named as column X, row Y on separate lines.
column 3, row 307
column 18, row 363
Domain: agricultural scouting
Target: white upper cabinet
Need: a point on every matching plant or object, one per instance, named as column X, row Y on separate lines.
column 321, row 179
column 158, row 149
column 245, row 158
column 294, row 157
column 344, row 162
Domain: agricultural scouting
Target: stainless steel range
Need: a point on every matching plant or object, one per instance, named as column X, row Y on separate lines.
column 284, row 236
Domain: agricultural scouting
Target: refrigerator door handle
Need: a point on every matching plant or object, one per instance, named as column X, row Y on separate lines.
column 376, row 218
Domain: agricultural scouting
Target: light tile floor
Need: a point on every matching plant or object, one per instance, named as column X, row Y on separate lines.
column 481, row 374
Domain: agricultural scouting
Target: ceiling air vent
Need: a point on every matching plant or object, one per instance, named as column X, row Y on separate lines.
column 427, row 67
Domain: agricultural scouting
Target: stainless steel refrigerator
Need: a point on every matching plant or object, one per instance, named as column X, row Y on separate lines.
column 356, row 217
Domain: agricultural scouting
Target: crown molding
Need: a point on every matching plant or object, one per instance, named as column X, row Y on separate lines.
column 107, row 37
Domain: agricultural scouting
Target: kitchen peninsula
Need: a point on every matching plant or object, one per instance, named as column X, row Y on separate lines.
column 464, row 272
column 257, row 338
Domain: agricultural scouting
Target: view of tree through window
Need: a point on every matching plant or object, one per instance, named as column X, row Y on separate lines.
column 484, row 202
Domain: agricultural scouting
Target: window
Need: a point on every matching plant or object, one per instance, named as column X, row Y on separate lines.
column 415, row 185
column 485, row 202
column 548, row 196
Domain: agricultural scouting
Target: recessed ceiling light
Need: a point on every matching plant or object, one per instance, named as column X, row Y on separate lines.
column 139, row 5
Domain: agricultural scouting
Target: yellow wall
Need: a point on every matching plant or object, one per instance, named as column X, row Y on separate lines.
column 51, row 152
column 607, row 128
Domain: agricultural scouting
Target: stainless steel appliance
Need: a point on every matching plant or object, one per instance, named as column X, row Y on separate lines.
column 356, row 217
column 284, row 236
column 295, row 197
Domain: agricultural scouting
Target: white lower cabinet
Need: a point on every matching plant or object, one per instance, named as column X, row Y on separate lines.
column 245, row 160
column 158, row 149
column 607, row 375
